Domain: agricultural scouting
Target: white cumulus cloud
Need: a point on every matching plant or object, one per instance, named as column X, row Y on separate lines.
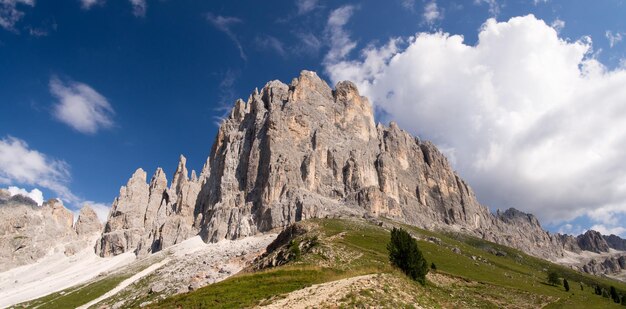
column 533, row 120
column 21, row 165
column 35, row 194
column 80, row 106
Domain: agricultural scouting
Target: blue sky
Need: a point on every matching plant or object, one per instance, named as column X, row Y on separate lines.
column 91, row 90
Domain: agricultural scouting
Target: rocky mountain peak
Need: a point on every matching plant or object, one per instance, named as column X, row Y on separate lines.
column 87, row 222
column 181, row 175
column 29, row 232
column 513, row 215
column 615, row 242
column 305, row 150
column 592, row 241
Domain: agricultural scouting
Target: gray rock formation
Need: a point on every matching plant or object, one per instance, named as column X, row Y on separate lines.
column 615, row 242
column 29, row 232
column 87, row 222
column 148, row 217
column 610, row 265
column 592, row 241
column 303, row 150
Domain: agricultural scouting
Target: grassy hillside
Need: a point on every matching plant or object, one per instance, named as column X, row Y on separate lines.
column 470, row 273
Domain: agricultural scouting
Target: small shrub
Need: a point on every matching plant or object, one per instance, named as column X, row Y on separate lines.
column 294, row 249
column 406, row 255
column 566, row 285
column 553, row 278
column 433, row 266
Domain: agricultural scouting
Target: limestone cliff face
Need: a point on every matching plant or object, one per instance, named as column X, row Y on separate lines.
column 146, row 217
column 29, row 232
column 304, row 150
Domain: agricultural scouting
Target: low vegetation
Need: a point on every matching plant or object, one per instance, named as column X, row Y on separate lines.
column 468, row 275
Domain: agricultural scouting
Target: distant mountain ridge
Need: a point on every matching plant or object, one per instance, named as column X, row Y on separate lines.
column 29, row 232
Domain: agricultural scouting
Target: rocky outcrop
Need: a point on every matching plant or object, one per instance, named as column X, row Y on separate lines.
column 592, row 241
column 29, row 232
column 615, row 242
column 570, row 243
column 148, row 217
column 87, row 222
column 610, row 265
column 304, row 150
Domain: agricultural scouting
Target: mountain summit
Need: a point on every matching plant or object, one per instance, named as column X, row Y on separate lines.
column 305, row 150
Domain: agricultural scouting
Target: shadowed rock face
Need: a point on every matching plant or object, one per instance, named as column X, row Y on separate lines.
column 304, row 150
column 592, row 241
column 29, row 232
column 615, row 242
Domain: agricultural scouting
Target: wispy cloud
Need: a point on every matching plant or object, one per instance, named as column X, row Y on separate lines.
column 88, row 4
column 432, row 13
column 310, row 44
column 558, row 25
column 139, row 7
column 408, row 4
column 306, row 6
column 80, row 106
column 339, row 38
column 268, row 42
column 10, row 13
column 494, row 6
column 224, row 24
column 226, row 95
column 613, row 38
column 21, row 165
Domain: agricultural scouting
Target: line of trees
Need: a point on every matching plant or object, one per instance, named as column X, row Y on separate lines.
column 555, row 279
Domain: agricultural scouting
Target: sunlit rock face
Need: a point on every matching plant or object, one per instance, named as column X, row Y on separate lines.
column 305, row 150
column 29, row 232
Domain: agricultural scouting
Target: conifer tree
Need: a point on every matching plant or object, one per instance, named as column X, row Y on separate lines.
column 614, row 294
column 406, row 255
column 566, row 285
column 553, row 278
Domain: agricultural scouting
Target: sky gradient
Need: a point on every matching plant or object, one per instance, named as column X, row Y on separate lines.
column 91, row 90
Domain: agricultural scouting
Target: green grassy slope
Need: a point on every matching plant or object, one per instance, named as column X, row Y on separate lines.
column 348, row 248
